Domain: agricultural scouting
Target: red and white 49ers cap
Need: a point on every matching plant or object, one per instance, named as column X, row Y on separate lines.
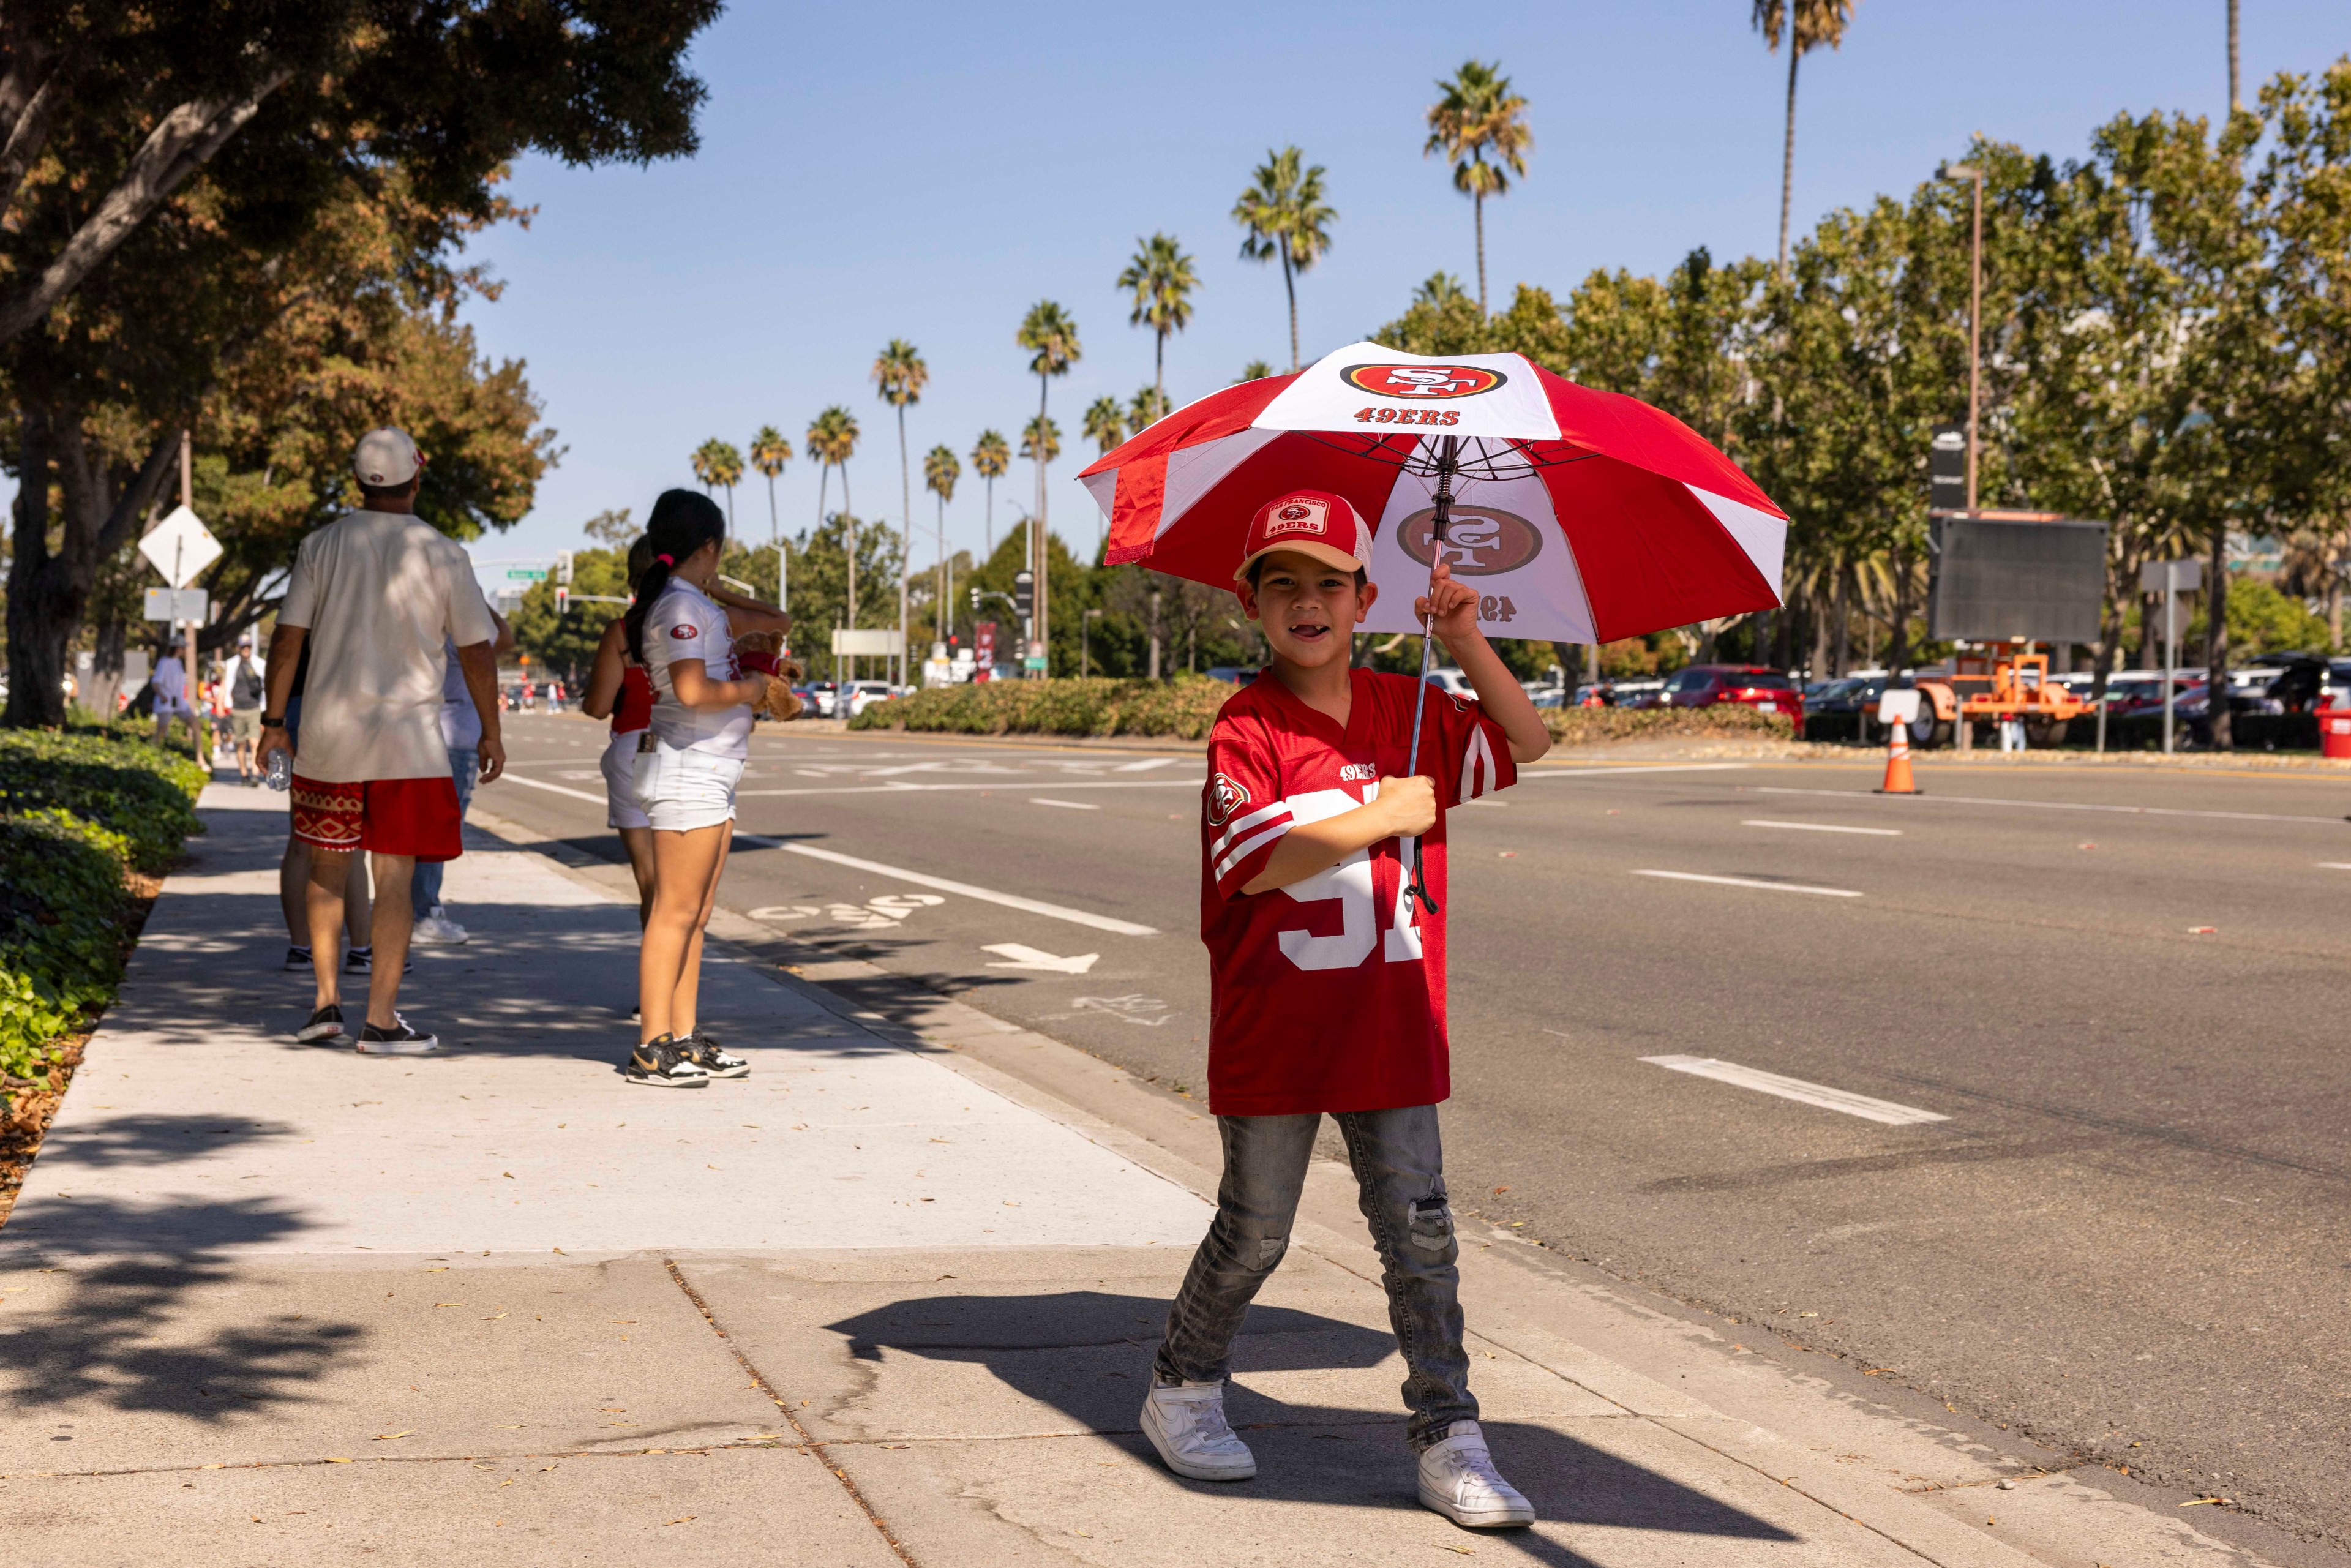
column 1312, row 522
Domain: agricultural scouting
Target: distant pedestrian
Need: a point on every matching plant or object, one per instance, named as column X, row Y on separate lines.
column 688, row 761
column 242, row 679
column 385, row 593
column 170, row 682
column 461, row 731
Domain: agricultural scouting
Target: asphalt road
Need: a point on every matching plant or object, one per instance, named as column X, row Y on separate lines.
column 2124, row 1233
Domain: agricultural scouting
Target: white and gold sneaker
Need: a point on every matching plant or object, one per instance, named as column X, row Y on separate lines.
column 1458, row 1478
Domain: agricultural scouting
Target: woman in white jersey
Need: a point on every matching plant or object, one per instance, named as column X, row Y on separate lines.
column 688, row 761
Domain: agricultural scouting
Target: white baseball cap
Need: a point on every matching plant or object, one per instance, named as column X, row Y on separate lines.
column 386, row 458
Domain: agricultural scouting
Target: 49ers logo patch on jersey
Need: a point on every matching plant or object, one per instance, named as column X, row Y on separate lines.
column 1225, row 798
column 682, row 632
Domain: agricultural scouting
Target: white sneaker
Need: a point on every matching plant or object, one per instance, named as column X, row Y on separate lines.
column 1458, row 1478
column 1186, row 1424
column 437, row 930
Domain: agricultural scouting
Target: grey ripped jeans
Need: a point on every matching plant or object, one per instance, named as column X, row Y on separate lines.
column 1400, row 1167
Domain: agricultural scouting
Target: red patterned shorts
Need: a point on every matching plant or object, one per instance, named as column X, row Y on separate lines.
column 416, row 817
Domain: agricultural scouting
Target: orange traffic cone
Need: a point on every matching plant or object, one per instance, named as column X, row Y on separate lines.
column 1897, row 762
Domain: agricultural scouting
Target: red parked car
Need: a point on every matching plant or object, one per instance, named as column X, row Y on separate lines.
column 1760, row 687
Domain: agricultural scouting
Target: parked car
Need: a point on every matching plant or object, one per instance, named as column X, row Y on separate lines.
column 823, row 697
column 1233, row 674
column 1446, row 678
column 1702, row 685
column 864, row 694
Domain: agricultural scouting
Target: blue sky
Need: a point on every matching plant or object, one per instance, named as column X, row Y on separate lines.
column 930, row 171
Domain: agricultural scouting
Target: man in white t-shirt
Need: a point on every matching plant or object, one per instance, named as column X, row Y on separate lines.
column 386, row 593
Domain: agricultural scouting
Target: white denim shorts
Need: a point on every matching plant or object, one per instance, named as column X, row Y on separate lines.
column 621, row 807
column 684, row 790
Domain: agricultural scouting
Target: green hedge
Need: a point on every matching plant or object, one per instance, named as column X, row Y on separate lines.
column 77, row 811
column 108, row 776
column 1597, row 725
column 1184, row 708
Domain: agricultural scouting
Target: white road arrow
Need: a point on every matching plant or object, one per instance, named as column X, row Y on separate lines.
column 1025, row 957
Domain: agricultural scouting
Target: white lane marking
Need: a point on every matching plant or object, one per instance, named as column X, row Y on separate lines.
column 1065, row 805
column 1751, row 882
column 1025, row 958
column 900, row 787
column 1786, row 1088
column 1539, row 772
column 986, row 895
column 551, row 789
column 2332, row 865
column 1941, row 800
column 1822, row 828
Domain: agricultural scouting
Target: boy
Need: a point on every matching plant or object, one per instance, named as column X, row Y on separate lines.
column 1327, row 981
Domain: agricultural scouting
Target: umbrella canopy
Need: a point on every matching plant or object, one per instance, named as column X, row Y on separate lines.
column 1579, row 516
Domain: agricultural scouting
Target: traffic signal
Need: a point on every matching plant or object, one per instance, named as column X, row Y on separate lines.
column 975, row 602
column 1024, row 594
column 562, row 602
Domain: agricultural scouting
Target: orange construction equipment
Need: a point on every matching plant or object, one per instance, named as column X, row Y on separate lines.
column 2012, row 684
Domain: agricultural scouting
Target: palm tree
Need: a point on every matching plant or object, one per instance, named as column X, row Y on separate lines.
column 1255, row 371
column 770, row 453
column 717, row 463
column 1286, row 217
column 1480, row 118
column 1149, row 407
column 992, row 455
column 1040, row 440
column 1106, row 423
column 940, row 472
column 900, row 375
column 1052, row 338
column 1160, row 278
column 1815, row 22
column 1441, row 289
column 832, row 441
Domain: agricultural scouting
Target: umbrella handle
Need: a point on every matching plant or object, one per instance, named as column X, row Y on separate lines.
column 1446, row 464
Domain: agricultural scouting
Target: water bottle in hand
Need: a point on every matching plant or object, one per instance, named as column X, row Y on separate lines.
column 281, row 772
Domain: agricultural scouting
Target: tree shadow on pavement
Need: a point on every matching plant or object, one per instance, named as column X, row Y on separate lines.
column 1087, row 1354
column 117, row 1341
column 149, row 1138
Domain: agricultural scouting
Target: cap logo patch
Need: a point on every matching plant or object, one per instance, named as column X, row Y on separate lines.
column 1421, row 383
column 683, row 633
column 1480, row 541
column 1299, row 518
column 1224, row 796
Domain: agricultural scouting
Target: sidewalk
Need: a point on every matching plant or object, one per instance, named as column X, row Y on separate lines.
column 891, row 1299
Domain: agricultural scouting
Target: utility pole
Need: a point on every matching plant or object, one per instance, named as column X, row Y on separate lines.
column 1975, row 175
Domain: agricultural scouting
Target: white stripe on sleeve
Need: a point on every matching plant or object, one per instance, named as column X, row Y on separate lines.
column 1249, row 847
column 1242, row 825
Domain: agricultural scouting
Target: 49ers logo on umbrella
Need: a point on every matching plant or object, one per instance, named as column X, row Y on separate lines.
column 1480, row 541
column 1422, row 383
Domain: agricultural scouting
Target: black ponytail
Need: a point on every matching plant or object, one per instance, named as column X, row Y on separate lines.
column 681, row 522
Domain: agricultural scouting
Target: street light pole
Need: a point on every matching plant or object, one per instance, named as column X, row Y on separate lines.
column 1975, row 175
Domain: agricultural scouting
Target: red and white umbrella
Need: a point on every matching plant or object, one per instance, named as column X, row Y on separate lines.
column 1579, row 516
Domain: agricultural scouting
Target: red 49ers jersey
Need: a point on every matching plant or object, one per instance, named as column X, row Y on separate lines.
column 1329, row 994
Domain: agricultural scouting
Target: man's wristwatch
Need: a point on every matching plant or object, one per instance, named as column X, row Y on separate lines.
column 269, row 723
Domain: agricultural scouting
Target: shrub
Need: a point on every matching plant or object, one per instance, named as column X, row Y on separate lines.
column 76, row 810
column 61, row 936
column 1594, row 726
column 102, row 776
column 1184, row 708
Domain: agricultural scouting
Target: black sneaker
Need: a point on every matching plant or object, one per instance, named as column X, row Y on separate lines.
column 298, row 959
column 326, row 1023
column 361, row 961
column 704, row 1051
column 660, row 1064
column 398, row 1041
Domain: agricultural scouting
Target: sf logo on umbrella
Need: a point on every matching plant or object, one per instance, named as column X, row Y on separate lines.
column 1422, row 382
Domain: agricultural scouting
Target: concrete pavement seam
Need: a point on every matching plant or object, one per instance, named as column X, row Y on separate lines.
column 807, row 1442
